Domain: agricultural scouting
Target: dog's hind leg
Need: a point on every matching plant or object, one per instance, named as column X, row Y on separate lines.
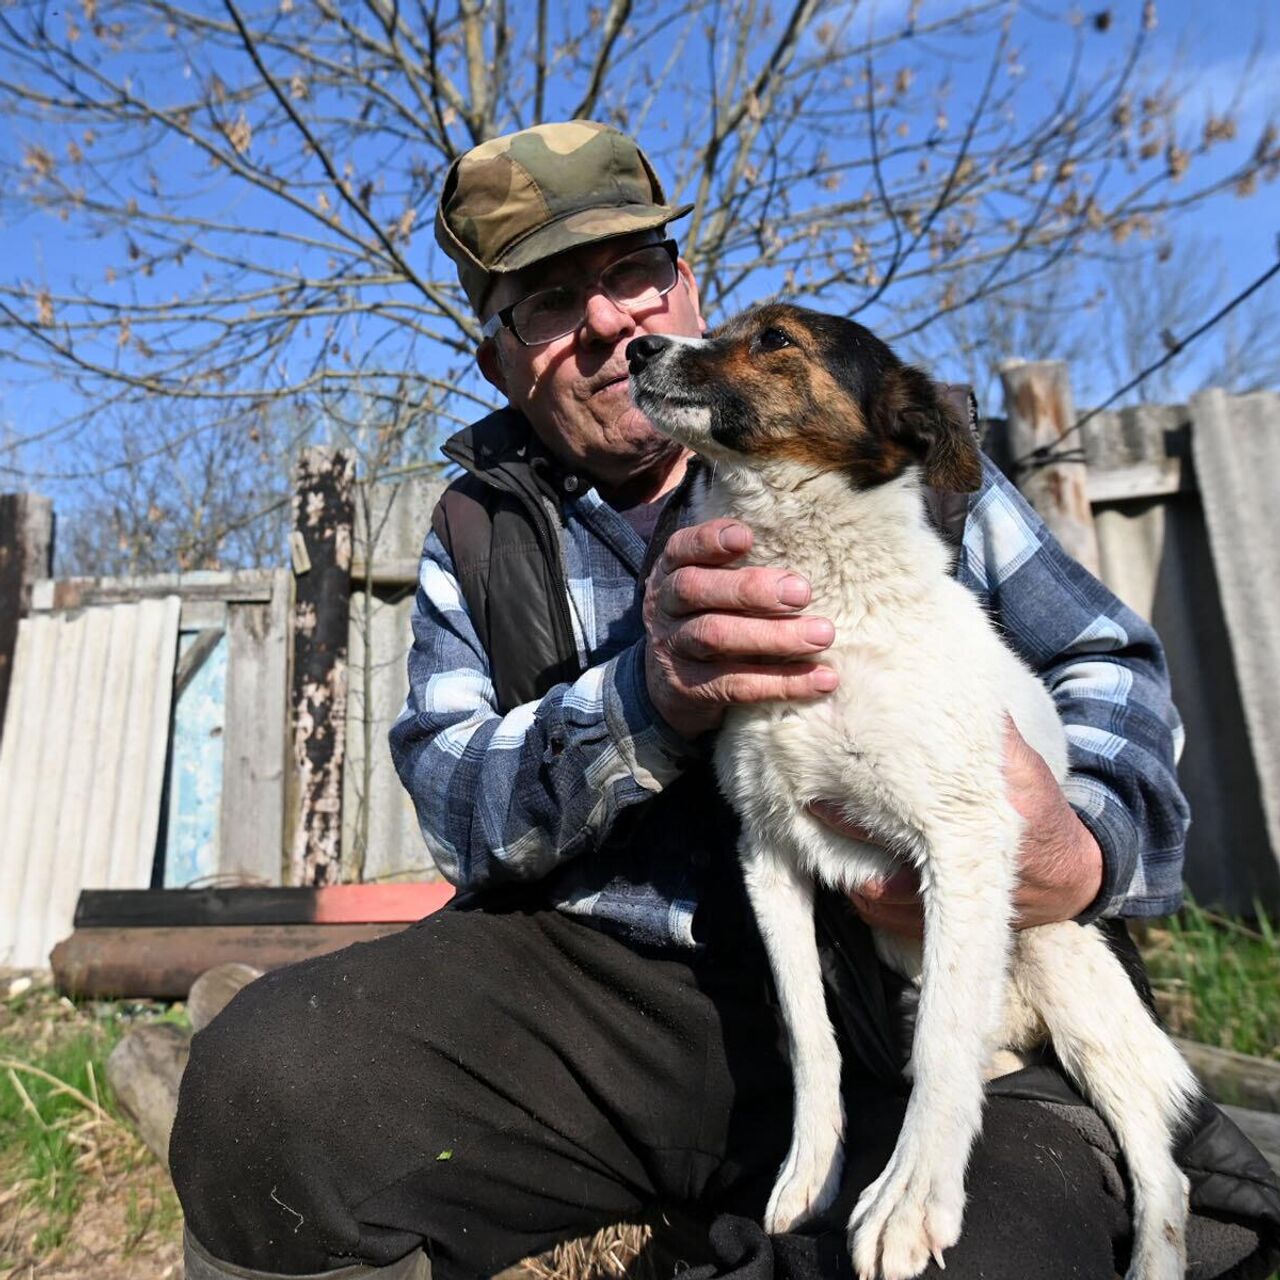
column 1128, row 1068
column 914, row 1210
column 782, row 897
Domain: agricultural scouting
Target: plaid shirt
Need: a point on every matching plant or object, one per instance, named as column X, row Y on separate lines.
column 518, row 797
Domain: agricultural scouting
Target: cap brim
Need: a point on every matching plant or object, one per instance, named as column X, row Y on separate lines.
column 582, row 227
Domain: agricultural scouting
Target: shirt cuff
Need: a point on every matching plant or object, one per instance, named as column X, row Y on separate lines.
column 652, row 750
column 1113, row 827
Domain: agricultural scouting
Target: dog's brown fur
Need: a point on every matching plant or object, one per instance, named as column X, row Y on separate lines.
column 826, row 393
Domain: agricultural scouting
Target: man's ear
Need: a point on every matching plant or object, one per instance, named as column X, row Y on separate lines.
column 933, row 429
column 490, row 364
column 686, row 274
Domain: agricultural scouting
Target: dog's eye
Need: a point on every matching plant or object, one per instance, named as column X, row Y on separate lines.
column 772, row 340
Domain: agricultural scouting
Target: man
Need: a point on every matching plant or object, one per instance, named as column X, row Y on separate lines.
column 589, row 1036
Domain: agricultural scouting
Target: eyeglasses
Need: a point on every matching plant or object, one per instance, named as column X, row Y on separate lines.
column 631, row 282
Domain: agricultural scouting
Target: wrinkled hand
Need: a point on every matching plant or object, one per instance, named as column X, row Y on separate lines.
column 1061, row 865
column 718, row 634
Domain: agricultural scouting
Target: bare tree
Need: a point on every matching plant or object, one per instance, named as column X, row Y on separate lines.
column 1055, row 316
column 261, row 176
column 159, row 495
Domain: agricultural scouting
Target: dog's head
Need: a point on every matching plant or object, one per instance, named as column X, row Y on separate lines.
column 811, row 392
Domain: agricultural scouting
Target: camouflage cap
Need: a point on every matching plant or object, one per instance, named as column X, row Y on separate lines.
column 515, row 200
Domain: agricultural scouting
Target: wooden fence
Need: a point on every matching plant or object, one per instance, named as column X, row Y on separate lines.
column 296, row 713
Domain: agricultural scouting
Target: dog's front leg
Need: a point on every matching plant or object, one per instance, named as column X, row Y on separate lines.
column 782, row 898
column 915, row 1208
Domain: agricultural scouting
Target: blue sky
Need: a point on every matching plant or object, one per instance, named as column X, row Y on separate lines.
column 1206, row 46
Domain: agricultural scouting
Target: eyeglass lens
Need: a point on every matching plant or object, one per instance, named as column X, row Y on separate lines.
column 630, row 282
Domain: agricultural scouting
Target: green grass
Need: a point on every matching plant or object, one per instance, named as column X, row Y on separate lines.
column 1218, row 979
column 61, row 1134
column 51, row 1101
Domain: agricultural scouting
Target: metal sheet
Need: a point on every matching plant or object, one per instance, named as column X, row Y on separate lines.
column 195, row 771
column 81, row 764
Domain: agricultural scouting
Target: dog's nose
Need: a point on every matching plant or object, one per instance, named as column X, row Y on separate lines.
column 641, row 350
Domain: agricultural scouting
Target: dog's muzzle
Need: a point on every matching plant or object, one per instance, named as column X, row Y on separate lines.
column 644, row 350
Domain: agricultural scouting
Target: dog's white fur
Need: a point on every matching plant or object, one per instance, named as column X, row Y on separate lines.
column 911, row 743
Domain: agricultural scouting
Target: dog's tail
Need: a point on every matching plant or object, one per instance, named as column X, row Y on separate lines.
column 1128, row 1068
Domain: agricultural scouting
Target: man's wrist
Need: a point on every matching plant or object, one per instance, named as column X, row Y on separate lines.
column 654, row 751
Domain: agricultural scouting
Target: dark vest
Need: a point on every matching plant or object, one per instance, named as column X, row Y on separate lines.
column 499, row 523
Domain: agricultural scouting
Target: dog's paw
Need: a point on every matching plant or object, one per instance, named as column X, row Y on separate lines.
column 903, row 1219
column 807, row 1184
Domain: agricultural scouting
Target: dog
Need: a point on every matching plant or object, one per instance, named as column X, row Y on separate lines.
column 819, row 439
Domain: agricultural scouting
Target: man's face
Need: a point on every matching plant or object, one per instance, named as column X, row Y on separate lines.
column 574, row 390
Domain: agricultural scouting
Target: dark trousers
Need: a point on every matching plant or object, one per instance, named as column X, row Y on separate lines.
column 488, row 1083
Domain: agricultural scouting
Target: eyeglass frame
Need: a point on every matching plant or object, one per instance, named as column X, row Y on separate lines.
column 502, row 319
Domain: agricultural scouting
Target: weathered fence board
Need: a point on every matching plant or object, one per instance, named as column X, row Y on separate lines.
column 323, row 510
column 256, row 738
column 1237, row 451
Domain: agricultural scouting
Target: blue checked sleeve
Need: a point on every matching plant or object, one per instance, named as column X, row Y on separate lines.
column 510, row 797
column 1106, row 670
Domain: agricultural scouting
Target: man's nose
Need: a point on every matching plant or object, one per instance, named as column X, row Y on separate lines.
column 604, row 319
column 640, row 351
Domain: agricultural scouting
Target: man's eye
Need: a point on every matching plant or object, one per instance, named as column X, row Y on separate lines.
column 548, row 303
column 772, row 340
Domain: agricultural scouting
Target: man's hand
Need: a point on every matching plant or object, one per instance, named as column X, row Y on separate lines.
column 1061, row 865
column 716, row 634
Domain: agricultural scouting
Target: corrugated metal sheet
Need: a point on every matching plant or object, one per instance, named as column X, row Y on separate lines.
column 82, row 764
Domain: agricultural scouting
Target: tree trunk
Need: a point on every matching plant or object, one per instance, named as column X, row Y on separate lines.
column 26, row 553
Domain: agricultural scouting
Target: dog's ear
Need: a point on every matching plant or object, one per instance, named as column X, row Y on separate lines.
column 935, row 432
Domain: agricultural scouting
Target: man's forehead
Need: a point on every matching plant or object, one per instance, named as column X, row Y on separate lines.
column 581, row 263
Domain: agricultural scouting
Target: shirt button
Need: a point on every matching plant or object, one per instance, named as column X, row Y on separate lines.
column 571, row 484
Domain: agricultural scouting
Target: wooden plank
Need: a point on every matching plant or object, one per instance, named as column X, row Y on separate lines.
column 203, row 615
column 1140, row 480
column 196, row 655
column 323, row 513
column 195, row 908
column 1237, row 1078
column 1037, row 397
column 163, row 963
column 26, row 553
column 385, row 572
column 256, row 739
column 206, row 585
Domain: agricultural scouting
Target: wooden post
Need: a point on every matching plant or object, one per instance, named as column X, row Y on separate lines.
column 26, row 553
column 323, row 509
column 1040, row 410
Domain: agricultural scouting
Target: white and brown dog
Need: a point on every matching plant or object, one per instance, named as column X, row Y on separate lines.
column 819, row 439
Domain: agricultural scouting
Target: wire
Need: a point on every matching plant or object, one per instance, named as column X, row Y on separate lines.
column 1046, row 455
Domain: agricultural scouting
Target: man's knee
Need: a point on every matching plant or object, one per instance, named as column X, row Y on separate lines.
column 1041, row 1200
column 250, row 1147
